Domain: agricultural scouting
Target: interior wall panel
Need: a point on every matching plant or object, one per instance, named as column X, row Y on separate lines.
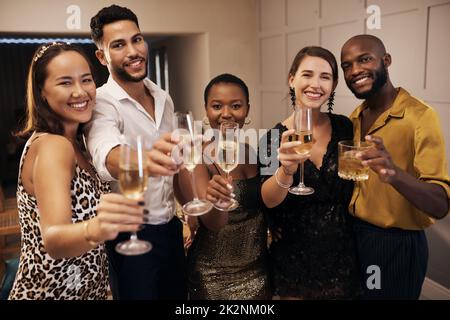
column 272, row 60
column 437, row 76
column 272, row 14
column 302, row 14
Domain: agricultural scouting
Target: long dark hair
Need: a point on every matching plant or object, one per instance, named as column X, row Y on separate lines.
column 39, row 116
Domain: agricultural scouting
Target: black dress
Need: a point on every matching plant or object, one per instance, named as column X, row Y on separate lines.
column 316, row 257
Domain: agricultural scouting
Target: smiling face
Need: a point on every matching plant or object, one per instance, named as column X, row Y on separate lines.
column 226, row 102
column 69, row 88
column 313, row 82
column 365, row 67
column 124, row 51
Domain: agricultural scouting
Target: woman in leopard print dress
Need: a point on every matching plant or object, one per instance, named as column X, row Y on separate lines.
column 65, row 213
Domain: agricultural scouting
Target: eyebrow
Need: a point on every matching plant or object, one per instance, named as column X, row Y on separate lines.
column 70, row 78
column 310, row 71
column 234, row 100
column 123, row 40
column 358, row 57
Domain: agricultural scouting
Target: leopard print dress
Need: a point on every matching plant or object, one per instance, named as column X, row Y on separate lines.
column 41, row 277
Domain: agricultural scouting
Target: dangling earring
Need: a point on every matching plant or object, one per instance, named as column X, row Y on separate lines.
column 205, row 121
column 330, row 103
column 292, row 94
column 248, row 120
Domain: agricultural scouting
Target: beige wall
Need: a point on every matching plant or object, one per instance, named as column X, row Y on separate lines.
column 416, row 34
column 229, row 27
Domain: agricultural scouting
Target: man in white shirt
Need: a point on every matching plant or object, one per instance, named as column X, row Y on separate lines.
column 130, row 104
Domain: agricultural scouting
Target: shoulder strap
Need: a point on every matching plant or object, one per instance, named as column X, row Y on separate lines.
column 27, row 146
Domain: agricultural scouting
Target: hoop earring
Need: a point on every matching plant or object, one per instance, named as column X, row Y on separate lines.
column 205, row 121
column 330, row 103
column 293, row 97
column 248, row 120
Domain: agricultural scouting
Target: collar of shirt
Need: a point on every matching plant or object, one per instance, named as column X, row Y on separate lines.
column 396, row 111
column 160, row 96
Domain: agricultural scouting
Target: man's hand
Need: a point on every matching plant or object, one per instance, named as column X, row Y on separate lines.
column 159, row 159
column 378, row 159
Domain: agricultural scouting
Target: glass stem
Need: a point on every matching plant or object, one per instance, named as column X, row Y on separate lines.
column 302, row 174
column 133, row 236
column 226, row 177
column 194, row 190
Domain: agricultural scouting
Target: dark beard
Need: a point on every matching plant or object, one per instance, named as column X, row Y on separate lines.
column 125, row 76
column 380, row 76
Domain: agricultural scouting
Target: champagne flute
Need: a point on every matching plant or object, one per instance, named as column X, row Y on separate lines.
column 303, row 133
column 133, row 184
column 192, row 155
column 227, row 155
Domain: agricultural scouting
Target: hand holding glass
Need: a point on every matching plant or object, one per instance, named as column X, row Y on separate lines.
column 350, row 167
column 133, row 184
column 303, row 133
column 192, row 155
column 227, row 155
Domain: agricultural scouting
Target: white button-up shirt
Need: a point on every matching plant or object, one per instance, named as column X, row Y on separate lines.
column 116, row 113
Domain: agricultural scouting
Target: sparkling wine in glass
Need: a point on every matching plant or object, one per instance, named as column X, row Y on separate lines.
column 192, row 155
column 133, row 184
column 227, row 155
column 303, row 133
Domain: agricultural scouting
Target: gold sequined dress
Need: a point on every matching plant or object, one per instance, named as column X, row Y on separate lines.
column 232, row 263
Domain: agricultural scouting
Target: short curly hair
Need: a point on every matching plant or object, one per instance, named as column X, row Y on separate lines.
column 109, row 15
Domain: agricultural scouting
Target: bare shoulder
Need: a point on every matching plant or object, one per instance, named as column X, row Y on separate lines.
column 54, row 148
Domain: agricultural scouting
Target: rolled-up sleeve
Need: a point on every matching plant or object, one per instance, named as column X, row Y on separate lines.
column 430, row 160
column 103, row 134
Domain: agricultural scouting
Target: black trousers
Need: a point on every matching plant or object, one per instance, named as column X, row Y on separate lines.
column 401, row 256
column 157, row 275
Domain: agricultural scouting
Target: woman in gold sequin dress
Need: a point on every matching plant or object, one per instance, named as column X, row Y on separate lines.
column 228, row 257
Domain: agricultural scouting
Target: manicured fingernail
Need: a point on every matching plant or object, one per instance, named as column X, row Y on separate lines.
column 141, row 227
column 141, row 203
column 229, row 186
column 232, row 195
column 146, row 211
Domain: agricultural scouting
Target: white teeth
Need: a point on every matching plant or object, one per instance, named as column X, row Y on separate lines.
column 313, row 95
column 78, row 105
column 135, row 64
column 361, row 80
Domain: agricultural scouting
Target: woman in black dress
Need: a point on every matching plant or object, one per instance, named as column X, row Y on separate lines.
column 314, row 257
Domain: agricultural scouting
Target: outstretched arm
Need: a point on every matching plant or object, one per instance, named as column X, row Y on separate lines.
column 52, row 174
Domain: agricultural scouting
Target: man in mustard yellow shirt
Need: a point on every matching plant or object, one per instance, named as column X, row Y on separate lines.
column 408, row 185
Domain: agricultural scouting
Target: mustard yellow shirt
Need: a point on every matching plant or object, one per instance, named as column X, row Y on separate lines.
column 411, row 133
